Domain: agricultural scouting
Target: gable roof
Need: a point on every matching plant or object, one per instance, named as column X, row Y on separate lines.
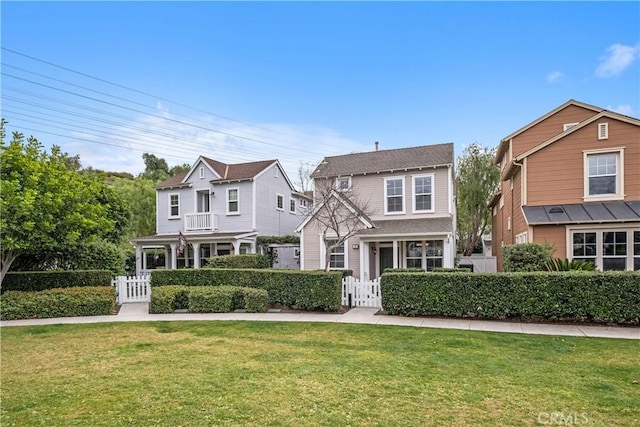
column 385, row 160
column 364, row 218
column 502, row 147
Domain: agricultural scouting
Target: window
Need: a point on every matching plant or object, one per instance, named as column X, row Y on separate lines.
column 521, row 238
column 201, row 172
column 292, row 206
column 614, row 250
column 174, row 205
column 203, row 199
column 423, row 193
column 280, row 202
column 343, row 184
column 337, row 255
column 603, row 174
column 585, row 247
column 568, row 126
column 636, row 250
column 414, row 254
column 603, row 130
column 426, row 254
column 303, row 203
column 233, row 201
column 394, row 196
column 607, row 249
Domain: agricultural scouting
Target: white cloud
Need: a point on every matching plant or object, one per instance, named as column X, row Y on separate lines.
column 625, row 109
column 554, row 76
column 616, row 59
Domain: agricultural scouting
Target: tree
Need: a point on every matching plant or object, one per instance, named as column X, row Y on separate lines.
column 304, row 176
column 156, row 169
column 477, row 180
column 185, row 167
column 339, row 214
column 44, row 204
column 139, row 195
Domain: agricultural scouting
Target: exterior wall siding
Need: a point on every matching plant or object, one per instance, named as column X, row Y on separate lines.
column 555, row 235
column 233, row 222
column 269, row 220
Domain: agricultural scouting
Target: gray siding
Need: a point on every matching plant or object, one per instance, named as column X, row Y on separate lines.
column 233, row 222
column 270, row 220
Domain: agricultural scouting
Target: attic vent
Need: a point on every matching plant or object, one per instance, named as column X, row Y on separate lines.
column 556, row 210
column 568, row 126
column 603, row 130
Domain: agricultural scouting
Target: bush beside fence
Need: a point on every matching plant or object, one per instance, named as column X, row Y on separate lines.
column 612, row 297
column 207, row 299
column 43, row 280
column 60, row 302
column 306, row 290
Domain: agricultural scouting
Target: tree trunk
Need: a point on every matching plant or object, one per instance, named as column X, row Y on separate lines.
column 7, row 259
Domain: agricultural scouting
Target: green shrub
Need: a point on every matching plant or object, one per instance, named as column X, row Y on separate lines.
column 559, row 264
column 167, row 299
column 526, row 257
column 254, row 300
column 207, row 299
column 239, row 261
column 60, row 302
column 575, row 296
column 306, row 290
column 451, row 270
column 403, row 270
column 212, row 299
column 42, row 280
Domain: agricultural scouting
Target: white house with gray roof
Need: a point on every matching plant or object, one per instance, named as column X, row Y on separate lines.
column 220, row 209
column 410, row 219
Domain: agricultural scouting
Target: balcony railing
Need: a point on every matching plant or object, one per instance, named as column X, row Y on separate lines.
column 200, row 221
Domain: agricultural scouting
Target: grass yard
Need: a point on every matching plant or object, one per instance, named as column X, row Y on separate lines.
column 293, row 374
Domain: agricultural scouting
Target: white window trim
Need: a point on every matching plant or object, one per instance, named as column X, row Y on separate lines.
column 433, row 192
column 323, row 255
column 292, row 205
column 599, row 229
column 404, row 186
column 521, row 238
column 568, row 126
column 228, row 212
column 340, row 178
column 278, row 196
column 170, row 205
column 619, row 195
column 603, row 135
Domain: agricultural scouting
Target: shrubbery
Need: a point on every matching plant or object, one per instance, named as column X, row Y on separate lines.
column 42, row 280
column 207, row 299
column 307, row 290
column 526, row 257
column 576, row 296
column 67, row 302
column 239, row 261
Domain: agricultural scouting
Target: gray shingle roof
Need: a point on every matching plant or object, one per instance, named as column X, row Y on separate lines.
column 385, row 160
column 409, row 226
column 583, row 212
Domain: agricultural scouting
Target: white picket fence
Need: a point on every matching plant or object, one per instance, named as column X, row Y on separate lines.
column 357, row 293
column 133, row 288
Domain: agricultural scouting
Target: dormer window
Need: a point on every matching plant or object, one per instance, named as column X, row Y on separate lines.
column 343, row 183
column 603, row 130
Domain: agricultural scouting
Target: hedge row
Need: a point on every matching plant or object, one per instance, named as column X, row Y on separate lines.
column 43, row 280
column 207, row 299
column 239, row 261
column 306, row 290
column 60, row 302
column 574, row 296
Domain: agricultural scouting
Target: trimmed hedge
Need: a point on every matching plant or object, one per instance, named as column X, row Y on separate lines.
column 239, row 261
column 43, row 280
column 404, row 270
column 67, row 302
column 573, row 296
column 207, row 299
column 451, row 270
column 306, row 290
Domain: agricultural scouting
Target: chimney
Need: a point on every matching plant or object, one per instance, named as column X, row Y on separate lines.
column 376, row 145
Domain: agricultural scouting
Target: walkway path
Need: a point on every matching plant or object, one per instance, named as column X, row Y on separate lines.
column 137, row 312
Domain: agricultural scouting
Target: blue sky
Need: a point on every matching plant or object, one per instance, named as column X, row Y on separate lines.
column 243, row 81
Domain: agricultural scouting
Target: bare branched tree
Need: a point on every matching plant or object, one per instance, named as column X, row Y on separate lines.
column 304, row 175
column 339, row 213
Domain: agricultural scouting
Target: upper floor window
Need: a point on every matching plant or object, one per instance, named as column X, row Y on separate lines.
column 394, row 195
column 603, row 174
column 292, row 206
column 201, row 172
column 203, row 199
column 423, row 193
column 603, row 130
column 233, row 201
column 174, row 205
column 343, row 183
column 280, row 202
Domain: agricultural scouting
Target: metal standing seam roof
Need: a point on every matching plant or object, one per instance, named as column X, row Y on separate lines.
column 617, row 211
column 385, row 160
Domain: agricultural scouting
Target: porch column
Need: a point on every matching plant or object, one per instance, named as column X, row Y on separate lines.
column 364, row 260
column 167, row 257
column 395, row 254
column 236, row 247
column 174, row 256
column 139, row 265
column 254, row 247
column 196, row 255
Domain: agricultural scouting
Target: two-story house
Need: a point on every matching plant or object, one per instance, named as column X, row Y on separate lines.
column 405, row 202
column 571, row 178
column 219, row 209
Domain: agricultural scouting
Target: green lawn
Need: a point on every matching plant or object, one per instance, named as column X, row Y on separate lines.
column 292, row 374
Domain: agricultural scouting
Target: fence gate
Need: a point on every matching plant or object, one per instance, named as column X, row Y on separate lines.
column 133, row 288
column 357, row 293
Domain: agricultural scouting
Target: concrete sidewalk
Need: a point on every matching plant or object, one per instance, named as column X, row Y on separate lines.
column 139, row 312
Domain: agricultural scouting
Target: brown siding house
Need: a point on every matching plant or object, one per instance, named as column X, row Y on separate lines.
column 571, row 178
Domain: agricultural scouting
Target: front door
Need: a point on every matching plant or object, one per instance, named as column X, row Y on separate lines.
column 386, row 259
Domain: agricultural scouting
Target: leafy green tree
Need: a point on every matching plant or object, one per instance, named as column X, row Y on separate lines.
column 139, row 195
column 477, row 180
column 156, row 169
column 185, row 167
column 44, row 204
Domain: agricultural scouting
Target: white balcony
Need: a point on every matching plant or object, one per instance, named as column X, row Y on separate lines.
column 200, row 222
